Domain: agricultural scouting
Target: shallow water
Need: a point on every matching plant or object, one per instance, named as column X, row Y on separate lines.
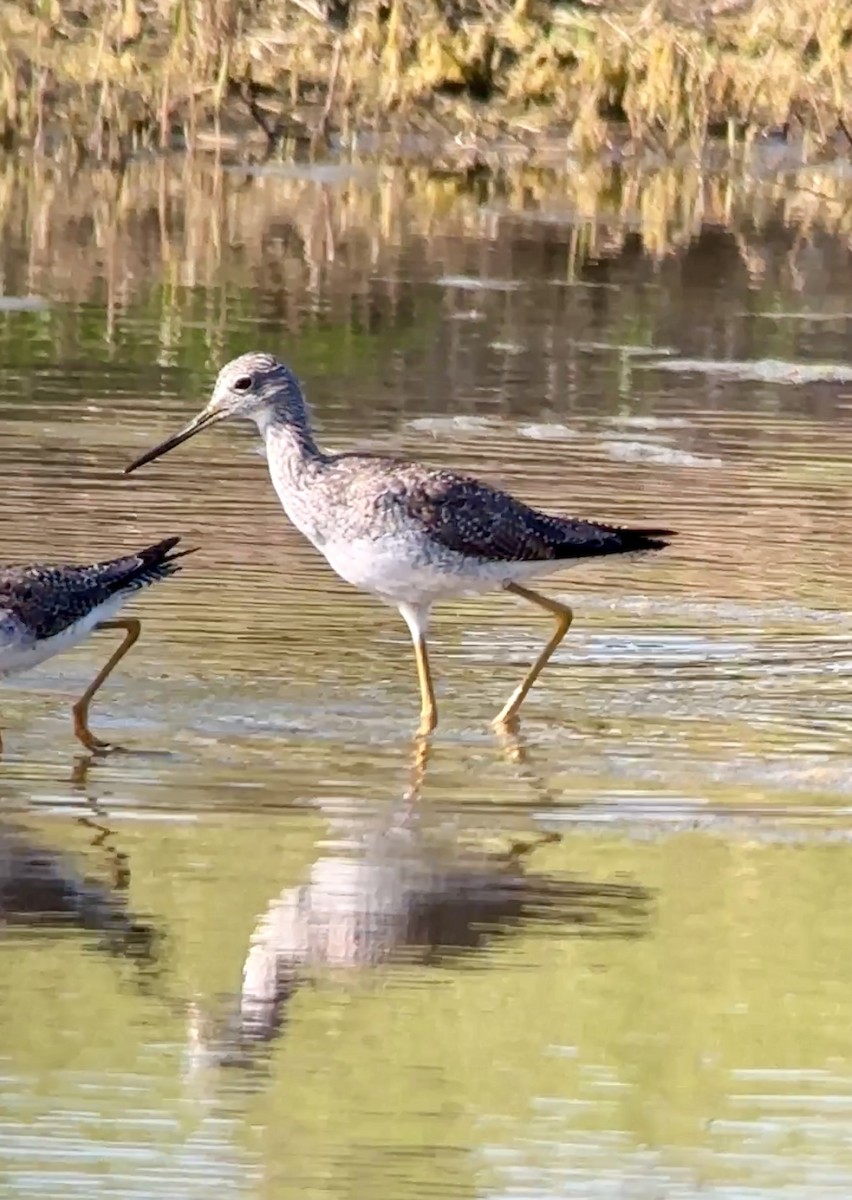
column 268, row 952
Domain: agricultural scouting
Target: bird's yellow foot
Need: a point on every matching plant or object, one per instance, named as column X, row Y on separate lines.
column 520, row 849
column 510, row 725
column 83, row 734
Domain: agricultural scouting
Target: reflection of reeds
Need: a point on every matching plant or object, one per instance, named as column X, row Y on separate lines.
column 118, row 74
column 184, row 224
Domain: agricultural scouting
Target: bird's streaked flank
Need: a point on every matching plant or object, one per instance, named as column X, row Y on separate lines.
column 47, row 609
column 409, row 534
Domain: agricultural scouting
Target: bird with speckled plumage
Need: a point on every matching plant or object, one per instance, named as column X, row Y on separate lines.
column 47, row 609
column 410, row 535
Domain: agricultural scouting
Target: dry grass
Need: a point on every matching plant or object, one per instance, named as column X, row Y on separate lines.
column 110, row 76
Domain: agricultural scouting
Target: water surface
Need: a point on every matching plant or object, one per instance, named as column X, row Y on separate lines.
column 268, row 952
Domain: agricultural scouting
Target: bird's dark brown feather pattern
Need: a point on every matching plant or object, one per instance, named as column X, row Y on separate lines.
column 48, row 599
column 461, row 514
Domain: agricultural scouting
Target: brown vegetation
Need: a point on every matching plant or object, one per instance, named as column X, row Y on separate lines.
column 112, row 76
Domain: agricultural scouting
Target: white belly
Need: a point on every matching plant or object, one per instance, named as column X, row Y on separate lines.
column 19, row 651
column 397, row 571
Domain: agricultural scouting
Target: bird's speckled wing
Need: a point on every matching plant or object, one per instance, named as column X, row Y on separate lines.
column 45, row 600
column 459, row 513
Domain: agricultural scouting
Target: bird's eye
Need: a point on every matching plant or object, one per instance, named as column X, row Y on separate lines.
column 243, row 384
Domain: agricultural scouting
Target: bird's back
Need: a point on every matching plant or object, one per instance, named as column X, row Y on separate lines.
column 45, row 600
column 365, row 496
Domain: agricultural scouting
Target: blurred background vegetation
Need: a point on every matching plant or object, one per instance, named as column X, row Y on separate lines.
column 105, row 78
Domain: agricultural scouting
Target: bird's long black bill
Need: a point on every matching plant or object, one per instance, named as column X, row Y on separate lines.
column 202, row 421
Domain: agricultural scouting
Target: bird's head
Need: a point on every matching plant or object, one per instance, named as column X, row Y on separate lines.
column 255, row 387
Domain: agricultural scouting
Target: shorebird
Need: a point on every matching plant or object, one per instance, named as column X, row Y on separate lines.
column 409, row 534
column 47, row 609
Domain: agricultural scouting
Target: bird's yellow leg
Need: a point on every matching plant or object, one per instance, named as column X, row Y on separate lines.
column 564, row 616
column 132, row 629
column 421, row 750
column 428, row 707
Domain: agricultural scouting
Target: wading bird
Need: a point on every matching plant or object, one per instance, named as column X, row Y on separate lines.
column 47, row 609
column 409, row 534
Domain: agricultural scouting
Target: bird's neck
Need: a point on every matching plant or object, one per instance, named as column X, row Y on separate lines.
column 293, row 455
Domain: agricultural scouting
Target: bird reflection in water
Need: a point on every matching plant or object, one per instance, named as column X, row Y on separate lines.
column 396, row 891
column 43, row 890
